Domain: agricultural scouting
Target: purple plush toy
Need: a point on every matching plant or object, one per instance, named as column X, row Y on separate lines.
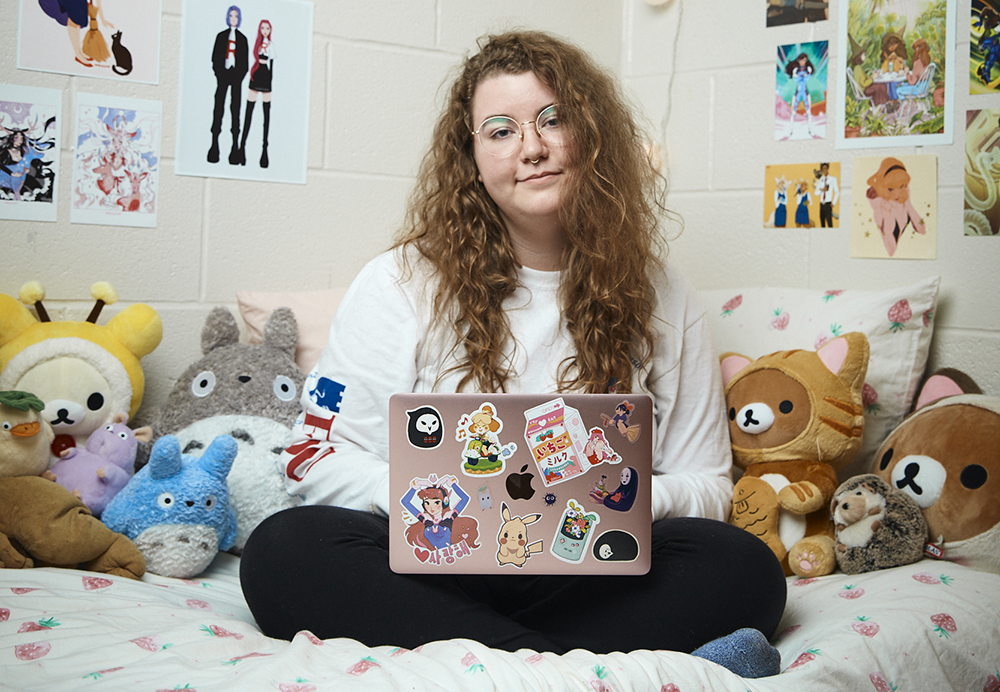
column 96, row 474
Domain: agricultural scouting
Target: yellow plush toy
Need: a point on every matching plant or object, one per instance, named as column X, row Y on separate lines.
column 795, row 419
column 42, row 523
column 84, row 373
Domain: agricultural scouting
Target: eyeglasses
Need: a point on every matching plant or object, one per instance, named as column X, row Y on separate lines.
column 501, row 135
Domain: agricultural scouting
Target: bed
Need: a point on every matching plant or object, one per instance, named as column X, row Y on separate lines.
column 926, row 626
column 932, row 625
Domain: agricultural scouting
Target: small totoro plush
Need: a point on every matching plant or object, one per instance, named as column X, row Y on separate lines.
column 876, row 526
column 249, row 392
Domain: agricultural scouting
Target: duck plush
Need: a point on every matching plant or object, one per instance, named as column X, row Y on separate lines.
column 41, row 523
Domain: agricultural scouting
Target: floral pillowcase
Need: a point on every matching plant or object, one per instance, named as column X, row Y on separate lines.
column 898, row 322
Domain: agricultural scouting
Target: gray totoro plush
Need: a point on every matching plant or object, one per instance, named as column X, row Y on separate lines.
column 876, row 526
column 248, row 391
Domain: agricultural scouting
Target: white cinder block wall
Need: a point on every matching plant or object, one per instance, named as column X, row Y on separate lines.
column 701, row 72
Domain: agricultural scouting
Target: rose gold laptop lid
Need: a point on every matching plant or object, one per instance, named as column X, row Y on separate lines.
column 520, row 483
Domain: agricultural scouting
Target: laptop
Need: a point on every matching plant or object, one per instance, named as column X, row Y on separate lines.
column 520, row 483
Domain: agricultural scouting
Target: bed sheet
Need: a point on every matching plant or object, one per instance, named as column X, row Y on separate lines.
column 927, row 626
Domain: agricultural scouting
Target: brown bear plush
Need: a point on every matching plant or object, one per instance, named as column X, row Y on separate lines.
column 795, row 419
column 945, row 455
column 41, row 523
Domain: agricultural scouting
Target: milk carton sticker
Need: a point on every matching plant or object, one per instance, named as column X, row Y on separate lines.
column 556, row 436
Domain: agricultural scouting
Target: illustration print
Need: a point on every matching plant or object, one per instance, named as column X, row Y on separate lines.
column 512, row 539
column 436, row 528
column 29, row 152
column 573, row 533
column 484, row 454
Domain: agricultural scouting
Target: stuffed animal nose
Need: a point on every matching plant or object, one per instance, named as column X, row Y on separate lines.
column 244, row 378
column 26, row 429
column 755, row 418
column 189, row 503
column 920, row 477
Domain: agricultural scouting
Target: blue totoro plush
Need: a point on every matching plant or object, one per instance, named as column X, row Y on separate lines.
column 176, row 508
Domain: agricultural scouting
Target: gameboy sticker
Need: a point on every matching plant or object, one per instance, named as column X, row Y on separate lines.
column 483, row 454
column 573, row 533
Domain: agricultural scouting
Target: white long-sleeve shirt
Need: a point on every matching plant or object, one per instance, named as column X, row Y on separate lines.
column 382, row 342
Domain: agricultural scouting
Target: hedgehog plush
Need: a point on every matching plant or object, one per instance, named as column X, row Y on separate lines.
column 249, row 392
column 877, row 526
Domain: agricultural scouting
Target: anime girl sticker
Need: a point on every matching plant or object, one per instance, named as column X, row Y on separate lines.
column 620, row 421
column 29, row 152
column 435, row 526
column 896, row 215
column 116, row 168
column 483, row 453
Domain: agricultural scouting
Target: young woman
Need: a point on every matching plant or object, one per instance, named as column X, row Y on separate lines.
column 528, row 263
column 802, row 201
column 892, row 210
column 799, row 71
column 260, row 83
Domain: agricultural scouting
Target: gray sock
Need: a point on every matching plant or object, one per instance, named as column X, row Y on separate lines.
column 745, row 652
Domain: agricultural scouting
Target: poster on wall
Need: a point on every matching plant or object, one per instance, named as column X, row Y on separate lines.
column 894, row 207
column 897, row 61
column 116, row 161
column 243, row 110
column 984, row 47
column 800, row 91
column 802, row 195
column 30, row 119
column 982, row 173
column 107, row 39
column 782, row 12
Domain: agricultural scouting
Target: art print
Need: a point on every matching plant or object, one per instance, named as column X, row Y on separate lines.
column 244, row 90
column 106, row 39
column 800, row 91
column 802, row 195
column 782, row 12
column 30, row 120
column 894, row 207
column 898, row 73
column 116, row 164
column 982, row 173
column 984, row 47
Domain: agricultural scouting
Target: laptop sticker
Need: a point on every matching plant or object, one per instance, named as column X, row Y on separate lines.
column 512, row 539
column 484, row 454
column 423, row 427
column 556, row 437
column 436, row 528
column 621, row 498
column 620, row 421
column 573, row 533
column 616, row 546
column 519, row 484
column 597, row 450
column 485, row 498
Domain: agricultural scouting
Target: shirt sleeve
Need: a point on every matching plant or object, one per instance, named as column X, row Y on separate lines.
column 692, row 456
column 339, row 451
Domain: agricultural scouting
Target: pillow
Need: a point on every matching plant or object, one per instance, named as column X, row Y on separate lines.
column 313, row 311
column 898, row 323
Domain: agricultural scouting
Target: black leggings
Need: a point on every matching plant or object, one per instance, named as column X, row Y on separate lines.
column 326, row 570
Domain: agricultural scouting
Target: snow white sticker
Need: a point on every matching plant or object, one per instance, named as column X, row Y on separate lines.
column 484, row 454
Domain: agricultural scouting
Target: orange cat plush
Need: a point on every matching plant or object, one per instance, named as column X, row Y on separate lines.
column 795, row 419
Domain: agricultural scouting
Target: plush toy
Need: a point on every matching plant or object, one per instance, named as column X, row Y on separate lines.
column 176, row 508
column 877, row 526
column 795, row 419
column 97, row 472
column 945, row 455
column 83, row 372
column 42, row 523
column 248, row 391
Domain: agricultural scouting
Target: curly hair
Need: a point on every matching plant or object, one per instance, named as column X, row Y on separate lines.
column 609, row 210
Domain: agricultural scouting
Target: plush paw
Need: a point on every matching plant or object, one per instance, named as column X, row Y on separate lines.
column 812, row 557
column 801, row 498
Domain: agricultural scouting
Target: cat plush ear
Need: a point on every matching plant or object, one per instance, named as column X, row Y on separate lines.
column 846, row 357
column 943, row 383
column 731, row 364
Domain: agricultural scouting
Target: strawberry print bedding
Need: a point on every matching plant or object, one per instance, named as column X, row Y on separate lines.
column 926, row 626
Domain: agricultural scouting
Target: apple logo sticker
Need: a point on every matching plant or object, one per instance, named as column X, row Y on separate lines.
column 519, row 485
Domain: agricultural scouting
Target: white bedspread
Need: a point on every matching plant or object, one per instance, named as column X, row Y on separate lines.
column 928, row 626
